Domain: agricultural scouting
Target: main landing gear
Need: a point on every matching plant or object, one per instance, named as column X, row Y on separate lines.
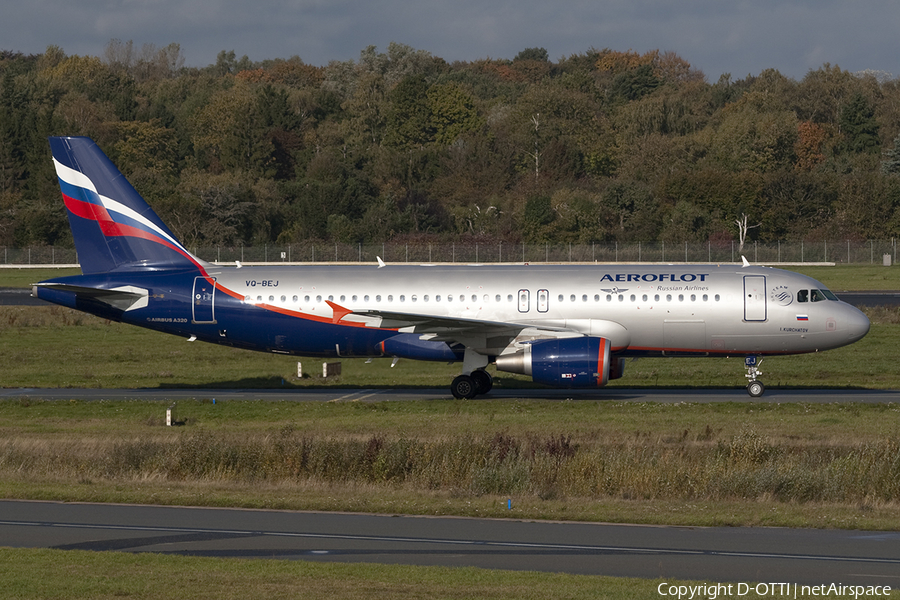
column 468, row 386
column 755, row 388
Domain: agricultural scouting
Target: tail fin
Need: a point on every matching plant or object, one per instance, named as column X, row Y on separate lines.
column 113, row 227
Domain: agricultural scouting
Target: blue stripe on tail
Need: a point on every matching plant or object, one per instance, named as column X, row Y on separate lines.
column 113, row 227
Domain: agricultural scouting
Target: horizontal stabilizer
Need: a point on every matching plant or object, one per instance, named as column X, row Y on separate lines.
column 124, row 298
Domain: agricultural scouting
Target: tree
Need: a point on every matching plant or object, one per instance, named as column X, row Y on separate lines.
column 890, row 165
column 408, row 123
column 743, row 229
column 859, row 126
column 538, row 54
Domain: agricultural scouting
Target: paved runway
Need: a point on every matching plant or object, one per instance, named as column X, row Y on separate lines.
column 772, row 395
column 698, row 553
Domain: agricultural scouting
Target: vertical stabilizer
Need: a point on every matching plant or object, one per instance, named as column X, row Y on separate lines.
column 113, row 227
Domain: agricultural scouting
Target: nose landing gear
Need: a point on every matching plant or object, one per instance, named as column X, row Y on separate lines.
column 755, row 388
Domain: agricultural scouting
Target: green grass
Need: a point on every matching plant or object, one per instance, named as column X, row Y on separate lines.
column 50, row 574
column 58, row 347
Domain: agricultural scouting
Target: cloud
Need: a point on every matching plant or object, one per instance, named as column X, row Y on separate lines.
column 741, row 38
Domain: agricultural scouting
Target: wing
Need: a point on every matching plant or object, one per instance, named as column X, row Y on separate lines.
column 485, row 336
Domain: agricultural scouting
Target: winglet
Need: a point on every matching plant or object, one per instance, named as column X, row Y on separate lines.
column 380, row 262
column 746, row 262
column 338, row 312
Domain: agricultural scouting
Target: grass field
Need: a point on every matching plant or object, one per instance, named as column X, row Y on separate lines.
column 55, row 574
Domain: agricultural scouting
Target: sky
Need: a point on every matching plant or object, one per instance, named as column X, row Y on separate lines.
column 739, row 37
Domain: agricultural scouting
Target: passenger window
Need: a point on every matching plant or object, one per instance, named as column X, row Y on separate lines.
column 354, row 297
column 584, row 298
column 437, row 298
column 609, row 297
column 377, row 298
column 644, row 297
column 656, row 298
column 497, row 298
column 390, row 297
column 295, row 299
column 633, row 298
column 705, row 297
column 572, row 297
column 561, row 297
column 366, row 298
column 596, row 297
column 474, row 298
column 668, row 297
column 283, row 298
column 343, row 298
column 305, row 298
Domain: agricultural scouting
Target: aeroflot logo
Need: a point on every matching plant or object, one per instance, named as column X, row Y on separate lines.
column 687, row 277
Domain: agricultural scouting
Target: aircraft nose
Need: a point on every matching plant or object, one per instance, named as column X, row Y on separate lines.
column 858, row 324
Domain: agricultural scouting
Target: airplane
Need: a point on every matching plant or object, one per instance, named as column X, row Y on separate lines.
column 571, row 326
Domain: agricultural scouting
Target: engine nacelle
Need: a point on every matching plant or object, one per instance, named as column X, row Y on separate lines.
column 566, row 362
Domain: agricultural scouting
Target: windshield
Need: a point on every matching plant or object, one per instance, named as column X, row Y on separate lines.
column 815, row 295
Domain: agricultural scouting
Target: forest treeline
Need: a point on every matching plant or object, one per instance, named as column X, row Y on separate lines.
column 599, row 146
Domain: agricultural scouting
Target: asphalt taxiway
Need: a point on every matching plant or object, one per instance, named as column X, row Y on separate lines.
column 716, row 554
column 772, row 395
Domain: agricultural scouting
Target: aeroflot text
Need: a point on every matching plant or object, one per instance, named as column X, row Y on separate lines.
column 711, row 591
column 655, row 277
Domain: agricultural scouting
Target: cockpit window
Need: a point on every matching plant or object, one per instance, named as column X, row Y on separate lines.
column 815, row 295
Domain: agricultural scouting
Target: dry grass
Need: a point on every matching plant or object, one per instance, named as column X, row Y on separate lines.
column 747, row 466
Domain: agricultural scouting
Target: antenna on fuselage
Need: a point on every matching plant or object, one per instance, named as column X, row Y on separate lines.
column 380, row 262
column 746, row 262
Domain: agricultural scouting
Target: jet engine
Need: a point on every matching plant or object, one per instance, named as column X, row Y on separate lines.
column 568, row 362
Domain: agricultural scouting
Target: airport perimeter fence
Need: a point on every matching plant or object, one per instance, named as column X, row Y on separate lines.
column 842, row 252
